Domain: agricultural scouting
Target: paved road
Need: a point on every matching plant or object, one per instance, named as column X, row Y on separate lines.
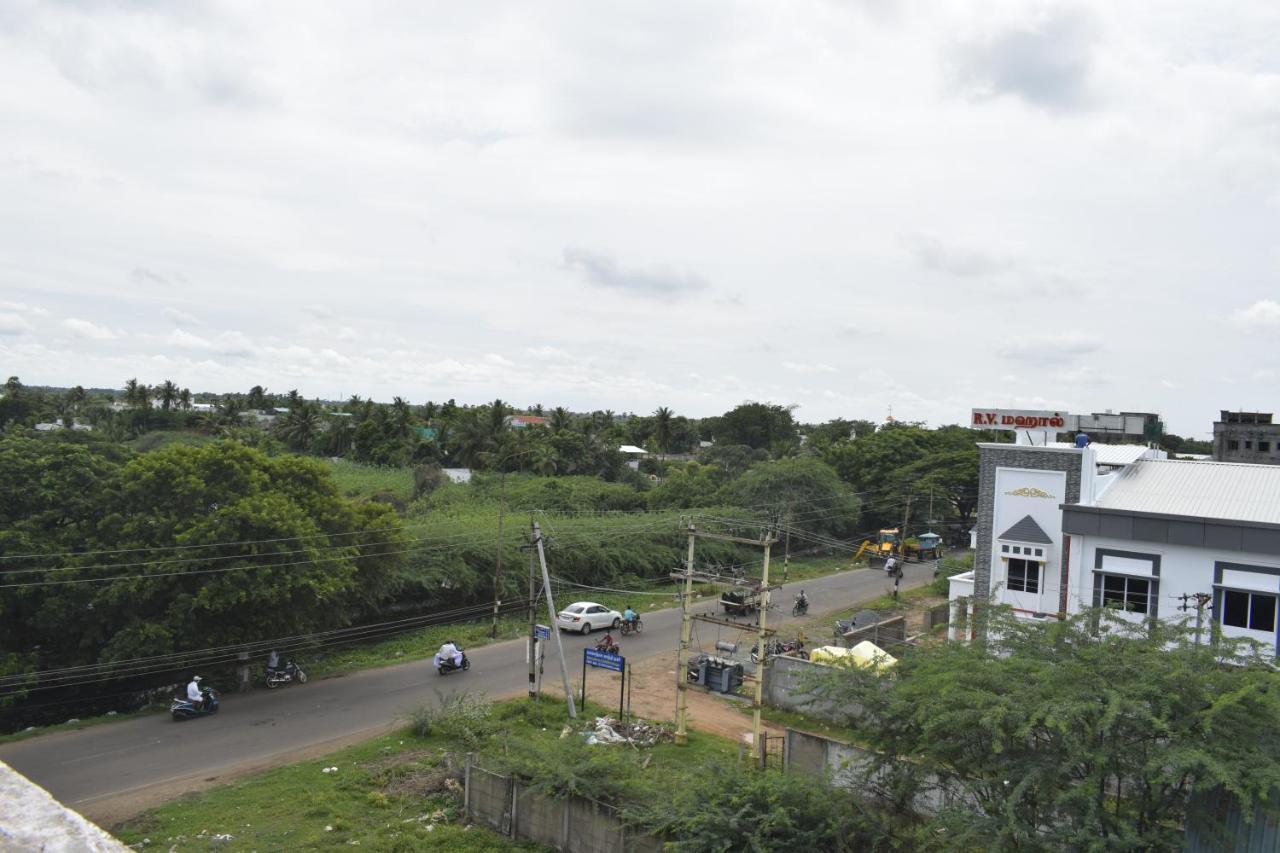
column 111, row 771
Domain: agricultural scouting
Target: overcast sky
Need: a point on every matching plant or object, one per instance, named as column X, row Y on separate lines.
column 841, row 205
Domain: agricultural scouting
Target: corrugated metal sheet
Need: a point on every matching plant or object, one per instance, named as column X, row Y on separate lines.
column 1221, row 490
column 1112, row 454
column 1217, row 825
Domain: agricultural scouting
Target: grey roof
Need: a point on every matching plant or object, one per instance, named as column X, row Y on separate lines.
column 1027, row 531
column 1219, row 490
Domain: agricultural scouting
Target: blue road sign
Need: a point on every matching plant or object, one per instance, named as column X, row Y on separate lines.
column 542, row 632
column 604, row 660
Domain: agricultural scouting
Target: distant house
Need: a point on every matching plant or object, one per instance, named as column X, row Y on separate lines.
column 200, row 407
column 522, row 421
column 634, row 455
column 458, row 475
column 57, row 425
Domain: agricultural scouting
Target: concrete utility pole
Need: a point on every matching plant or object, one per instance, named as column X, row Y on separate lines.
column 1202, row 600
column 497, row 566
column 757, row 747
column 551, row 610
column 533, row 614
column 786, row 548
column 682, row 681
column 902, row 548
column 761, row 630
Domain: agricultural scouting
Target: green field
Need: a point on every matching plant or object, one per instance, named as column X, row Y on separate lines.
column 391, row 793
column 362, row 481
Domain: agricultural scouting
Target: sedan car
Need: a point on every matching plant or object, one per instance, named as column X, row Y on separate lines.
column 586, row 616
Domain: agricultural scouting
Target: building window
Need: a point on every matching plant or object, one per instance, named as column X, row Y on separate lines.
column 1232, row 444
column 1264, row 447
column 1253, row 610
column 1248, row 445
column 1132, row 595
column 1039, row 552
column 1024, row 576
column 1004, row 549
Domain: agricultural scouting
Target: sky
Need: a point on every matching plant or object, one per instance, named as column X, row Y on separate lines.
column 856, row 207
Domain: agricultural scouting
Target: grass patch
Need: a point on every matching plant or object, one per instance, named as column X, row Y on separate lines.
column 411, row 645
column 364, row 481
column 401, row 792
column 159, row 439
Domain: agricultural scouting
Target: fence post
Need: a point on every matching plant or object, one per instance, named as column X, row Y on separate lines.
column 244, row 680
column 564, row 823
column 509, row 816
column 466, row 788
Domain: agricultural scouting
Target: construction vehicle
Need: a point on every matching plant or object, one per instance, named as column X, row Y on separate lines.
column 882, row 545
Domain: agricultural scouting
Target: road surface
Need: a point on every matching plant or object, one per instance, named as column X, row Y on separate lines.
column 110, row 772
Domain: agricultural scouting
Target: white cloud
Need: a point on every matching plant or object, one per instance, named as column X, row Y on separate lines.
column 1260, row 316
column 808, row 368
column 346, row 333
column 1050, row 348
column 13, row 324
column 23, row 308
column 181, row 317
column 85, row 329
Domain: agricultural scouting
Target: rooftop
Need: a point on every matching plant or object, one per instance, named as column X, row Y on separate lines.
column 1220, row 490
column 1110, row 454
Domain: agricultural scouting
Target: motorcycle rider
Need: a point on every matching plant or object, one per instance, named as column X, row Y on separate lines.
column 273, row 661
column 449, row 651
column 194, row 695
column 890, row 565
column 629, row 616
column 607, row 643
column 802, row 601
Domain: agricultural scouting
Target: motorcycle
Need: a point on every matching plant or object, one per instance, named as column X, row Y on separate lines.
column 633, row 627
column 801, row 607
column 776, row 648
column 606, row 644
column 446, row 665
column 285, row 674
column 184, row 709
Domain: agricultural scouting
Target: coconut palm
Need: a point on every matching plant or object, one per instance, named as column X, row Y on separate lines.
column 184, row 399
column 497, row 422
column 167, row 394
column 561, row 419
column 300, row 427
column 662, row 428
column 401, row 417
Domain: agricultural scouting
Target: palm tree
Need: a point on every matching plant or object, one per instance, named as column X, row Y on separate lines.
column 429, row 410
column 561, row 419
column 536, row 409
column 301, row 426
column 295, row 399
column 498, row 411
column 544, row 460
column 257, row 398
column 229, row 409
column 167, row 394
column 662, row 428
column 134, row 393
column 472, row 440
column 184, row 399
column 401, row 417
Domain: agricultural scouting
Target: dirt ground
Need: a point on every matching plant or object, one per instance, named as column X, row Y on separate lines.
column 653, row 697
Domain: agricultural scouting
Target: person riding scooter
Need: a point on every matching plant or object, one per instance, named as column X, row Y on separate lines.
column 194, row 695
column 449, row 651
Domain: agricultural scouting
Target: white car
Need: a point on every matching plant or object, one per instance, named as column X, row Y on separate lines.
column 586, row 616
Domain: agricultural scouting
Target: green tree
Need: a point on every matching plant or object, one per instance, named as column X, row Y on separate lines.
column 1090, row 734
column 167, row 393
column 760, row 426
column 802, row 491
column 560, row 420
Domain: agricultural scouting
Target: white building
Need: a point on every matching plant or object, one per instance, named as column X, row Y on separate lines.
column 1062, row 528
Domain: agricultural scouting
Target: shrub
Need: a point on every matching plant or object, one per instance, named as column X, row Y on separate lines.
column 949, row 567
column 460, row 717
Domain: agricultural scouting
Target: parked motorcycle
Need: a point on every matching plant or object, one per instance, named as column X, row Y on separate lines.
column 606, row 644
column 446, row 665
column 776, row 648
column 184, row 709
column 633, row 627
column 284, row 675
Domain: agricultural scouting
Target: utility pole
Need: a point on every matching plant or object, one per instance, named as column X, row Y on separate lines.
column 1202, row 600
column 533, row 614
column 757, row 747
column 682, row 683
column 497, row 566
column 786, row 549
column 551, row 609
column 902, row 548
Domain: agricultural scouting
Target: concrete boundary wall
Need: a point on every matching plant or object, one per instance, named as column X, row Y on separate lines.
column 574, row 824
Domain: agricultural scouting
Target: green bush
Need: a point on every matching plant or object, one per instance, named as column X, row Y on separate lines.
column 949, row 567
column 462, row 718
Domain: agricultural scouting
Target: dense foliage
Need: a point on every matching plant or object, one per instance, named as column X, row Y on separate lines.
column 181, row 548
column 1090, row 734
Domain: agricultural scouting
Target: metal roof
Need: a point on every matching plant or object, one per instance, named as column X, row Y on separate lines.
column 1027, row 530
column 1111, row 454
column 1219, row 490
